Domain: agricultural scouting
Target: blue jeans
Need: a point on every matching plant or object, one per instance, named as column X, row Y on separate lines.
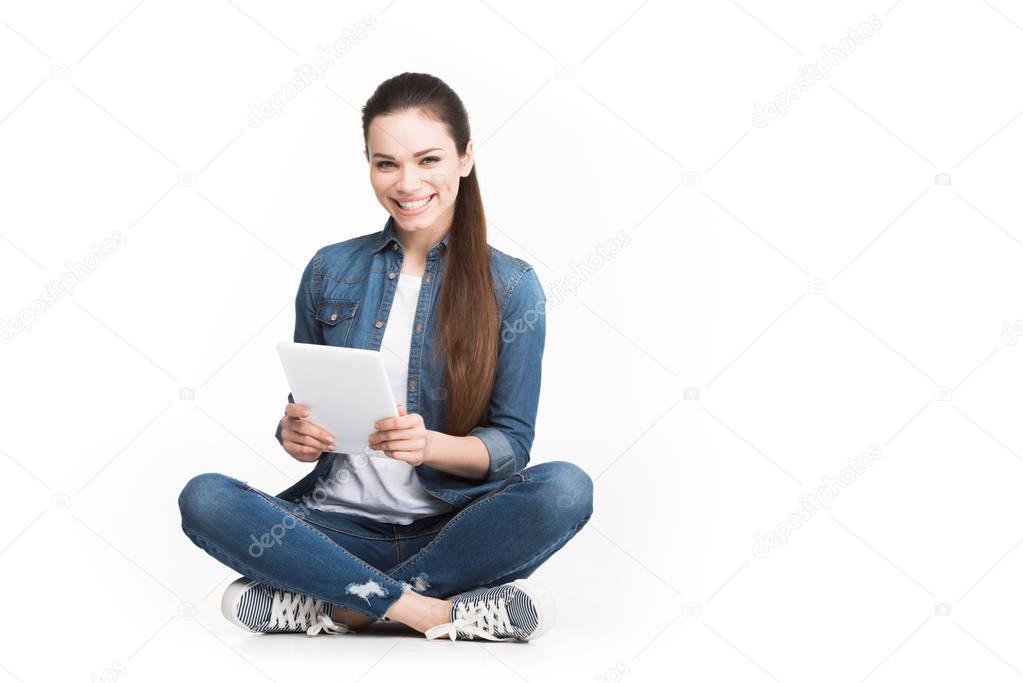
column 363, row 565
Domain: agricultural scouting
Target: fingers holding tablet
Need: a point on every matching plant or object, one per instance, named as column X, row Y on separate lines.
column 343, row 390
column 302, row 439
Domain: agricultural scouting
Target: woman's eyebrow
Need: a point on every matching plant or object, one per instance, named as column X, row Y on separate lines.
column 417, row 154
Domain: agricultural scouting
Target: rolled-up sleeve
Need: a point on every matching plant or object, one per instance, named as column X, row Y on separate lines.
column 511, row 418
column 307, row 329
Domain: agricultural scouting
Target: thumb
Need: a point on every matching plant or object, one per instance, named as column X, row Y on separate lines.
column 401, row 409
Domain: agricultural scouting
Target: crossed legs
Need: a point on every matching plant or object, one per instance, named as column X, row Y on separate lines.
column 495, row 539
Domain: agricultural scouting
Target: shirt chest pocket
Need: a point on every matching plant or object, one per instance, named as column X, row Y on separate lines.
column 336, row 317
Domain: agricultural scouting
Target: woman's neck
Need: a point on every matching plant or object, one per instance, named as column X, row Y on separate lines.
column 416, row 243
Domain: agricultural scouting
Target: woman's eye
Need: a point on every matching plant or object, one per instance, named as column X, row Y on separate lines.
column 381, row 165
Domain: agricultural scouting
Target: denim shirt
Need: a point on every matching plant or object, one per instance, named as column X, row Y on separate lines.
column 344, row 299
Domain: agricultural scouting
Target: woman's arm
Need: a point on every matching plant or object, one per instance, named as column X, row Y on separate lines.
column 463, row 456
column 406, row 438
column 510, row 424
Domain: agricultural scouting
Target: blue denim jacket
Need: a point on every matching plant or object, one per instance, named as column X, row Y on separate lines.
column 343, row 300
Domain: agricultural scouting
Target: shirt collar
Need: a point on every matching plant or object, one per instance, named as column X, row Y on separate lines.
column 389, row 235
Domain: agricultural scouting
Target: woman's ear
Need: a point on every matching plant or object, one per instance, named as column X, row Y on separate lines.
column 468, row 160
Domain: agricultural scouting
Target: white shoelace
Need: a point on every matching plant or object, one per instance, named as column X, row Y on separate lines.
column 481, row 619
column 300, row 612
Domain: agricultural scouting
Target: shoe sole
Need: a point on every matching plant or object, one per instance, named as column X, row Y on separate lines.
column 229, row 603
column 546, row 610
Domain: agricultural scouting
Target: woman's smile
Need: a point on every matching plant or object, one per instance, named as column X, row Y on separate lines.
column 413, row 206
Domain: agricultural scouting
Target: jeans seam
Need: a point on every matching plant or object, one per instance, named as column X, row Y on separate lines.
column 546, row 551
column 422, row 533
column 314, row 524
column 416, row 557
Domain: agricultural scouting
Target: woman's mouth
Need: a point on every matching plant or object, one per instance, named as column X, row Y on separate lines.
column 406, row 208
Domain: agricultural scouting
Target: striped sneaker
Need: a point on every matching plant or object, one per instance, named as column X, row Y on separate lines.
column 260, row 608
column 519, row 610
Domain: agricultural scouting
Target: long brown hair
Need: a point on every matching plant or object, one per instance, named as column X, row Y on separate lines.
column 467, row 317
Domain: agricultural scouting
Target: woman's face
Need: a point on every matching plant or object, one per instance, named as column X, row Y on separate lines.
column 412, row 159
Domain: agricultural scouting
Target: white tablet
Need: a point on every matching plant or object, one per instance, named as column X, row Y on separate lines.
column 346, row 390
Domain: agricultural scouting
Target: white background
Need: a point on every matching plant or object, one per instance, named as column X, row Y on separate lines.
column 843, row 278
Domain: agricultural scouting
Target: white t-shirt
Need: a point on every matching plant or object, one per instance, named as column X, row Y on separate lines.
column 383, row 488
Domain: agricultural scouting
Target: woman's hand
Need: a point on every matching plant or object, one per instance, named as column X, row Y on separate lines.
column 302, row 439
column 403, row 438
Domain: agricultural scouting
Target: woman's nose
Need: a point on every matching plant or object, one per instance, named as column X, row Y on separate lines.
column 408, row 181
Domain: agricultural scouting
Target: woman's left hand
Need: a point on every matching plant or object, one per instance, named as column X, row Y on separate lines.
column 402, row 438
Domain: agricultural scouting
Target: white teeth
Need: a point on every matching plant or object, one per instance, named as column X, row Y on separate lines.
column 412, row 206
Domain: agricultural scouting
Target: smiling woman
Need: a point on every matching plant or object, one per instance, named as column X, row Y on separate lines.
column 395, row 121
column 441, row 534
column 406, row 204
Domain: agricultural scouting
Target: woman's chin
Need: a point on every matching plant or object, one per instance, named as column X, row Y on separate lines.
column 420, row 222
column 410, row 224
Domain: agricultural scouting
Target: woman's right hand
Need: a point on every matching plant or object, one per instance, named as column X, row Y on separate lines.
column 302, row 439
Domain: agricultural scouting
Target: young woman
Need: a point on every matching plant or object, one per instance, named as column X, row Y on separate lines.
column 442, row 532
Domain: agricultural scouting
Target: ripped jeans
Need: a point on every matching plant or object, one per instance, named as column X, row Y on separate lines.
column 363, row 565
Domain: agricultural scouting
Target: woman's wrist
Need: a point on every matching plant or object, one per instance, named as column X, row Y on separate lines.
column 428, row 448
column 463, row 456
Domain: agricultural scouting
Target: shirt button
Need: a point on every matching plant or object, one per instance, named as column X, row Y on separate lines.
column 419, row 327
column 412, row 384
column 390, row 276
column 333, row 316
column 427, row 278
column 378, row 324
column 395, row 247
